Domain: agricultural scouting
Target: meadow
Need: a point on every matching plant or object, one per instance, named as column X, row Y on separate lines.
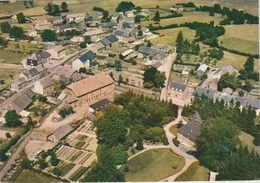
column 31, row 176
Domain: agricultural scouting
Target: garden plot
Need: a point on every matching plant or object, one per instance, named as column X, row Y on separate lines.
column 85, row 127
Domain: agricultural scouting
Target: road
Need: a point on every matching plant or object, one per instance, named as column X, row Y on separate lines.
column 167, row 69
column 14, row 156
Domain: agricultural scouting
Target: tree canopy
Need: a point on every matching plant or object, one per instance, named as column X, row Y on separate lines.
column 48, row 35
column 16, row 32
column 52, row 9
column 125, row 6
column 12, row 119
column 5, row 27
column 64, row 7
column 154, row 78
column 156, row 17
column 21, row 18
column 227, row 80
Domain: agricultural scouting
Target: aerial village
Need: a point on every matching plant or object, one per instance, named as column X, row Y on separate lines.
column 65, row 89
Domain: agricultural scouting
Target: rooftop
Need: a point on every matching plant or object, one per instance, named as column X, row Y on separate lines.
column 62, row 131
column 89, row 55
column 46, row 82
column 64, row 71
column 98, row 106
column 178, row 86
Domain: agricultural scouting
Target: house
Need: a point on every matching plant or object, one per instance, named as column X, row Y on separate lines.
column 185, row 73
column 129, row 14
column 177, row 8
column 32, row 32
column 100, row 105
column 97, row 47
column 223, row 70
column 18, row 84
column 30, row 75
column 254, row 103
column 57, row 52
column 200, row 91
column 109, row 25
column 87, row 90
column 153, row 55
column 57, row 20
column 95, row 35
column 77, row 39
column 21, row 102
column 109, row 41
column 202, row 69
column 125, row 53
column 42, row 25
column 76, row 17
column 188, row 133
column 60, row 133
column 158, row 56
column 158, row 66
column 42, row 71
column 38, row 58
column 62, row 73
column 178, row 90
column 84, row 60
column 63, row 28
column 145, row 13
column 44, row 86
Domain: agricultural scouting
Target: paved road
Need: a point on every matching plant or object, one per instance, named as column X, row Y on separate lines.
column 11, row 160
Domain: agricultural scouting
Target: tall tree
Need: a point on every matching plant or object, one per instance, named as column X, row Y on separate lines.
column 125, row 6
column 156, row 17
column 249, row 65
column 179, row 43
column 218, row 139
column 31, row 3
column 16, row 32
column 48, row 35
column 12, row 119
column 64, row 7
column 5, row 27
column 21, row 18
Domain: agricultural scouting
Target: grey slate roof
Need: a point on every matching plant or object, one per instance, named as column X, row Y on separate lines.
column 157, row 65
column 44, row 54
column 204, row 91
column 31, row 73
column 112, row 38
column 179, row 86
column 146, row 50
column 63, row 27
column 89, row 55
column 20, row 103
column 108, row 24
column 118, row 33
column 255, row 103
column 46, row 82
column 105, row 41
column 62, row 131
column 159, row 55
column 29, row 93
column 88, row 18
column 98, row 106
column 192, row 129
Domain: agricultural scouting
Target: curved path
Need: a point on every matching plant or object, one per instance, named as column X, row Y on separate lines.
column 189, row 159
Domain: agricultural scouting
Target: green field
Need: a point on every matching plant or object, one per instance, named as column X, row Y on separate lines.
column 243, row 38
column 5, row 75
column 187, row 17
column 11, row 57
column 153, row 165
column 31, row 176
column 23, row 47
column 247, row 140
column 195, row 172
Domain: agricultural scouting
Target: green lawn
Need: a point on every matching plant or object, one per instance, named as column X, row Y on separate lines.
column 31, row 176
column 5, row 75
column 78, row 173
column 194, row 173
column 247, row 140
column 174, row 130
column 153, row 165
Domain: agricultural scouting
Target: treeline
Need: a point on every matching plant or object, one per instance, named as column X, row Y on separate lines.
column 173, row 15
column 237, row 52
column 119, row 127
column 187, row 5
column 234, row 15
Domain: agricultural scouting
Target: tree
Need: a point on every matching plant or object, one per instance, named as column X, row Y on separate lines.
column 179, row 43
column 16, row 32
column 249, row 65
column 118, row 154
column 139, row 145
column 25, row 3
column 83, row 44
column 48, row 35
column 31, row 3
column 52, row 9
column 125, row 6
column 227, row 80
column 156, row 17
column 87, row 39
column 64, row 7
column 137, row 19
column 211, row 13
column 26, row 164
column 21, row 18
column 111, row 129
column 248, row 86
column 118, row 65
column 8, row 135
column 153, row 77
column 111, row 75
column 120, row 79
column 82, row 70
column 5, row 27
column 3, row 156
column 54, row 160
column 12, row 119
column 219, row 137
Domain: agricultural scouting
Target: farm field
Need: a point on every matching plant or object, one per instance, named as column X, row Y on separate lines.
column 168, row 36
column 194, row 173
column 245, row 40
column 187, row 17
column 23, row 47
column 11, row 57
column 31, row 176
column 153, row 165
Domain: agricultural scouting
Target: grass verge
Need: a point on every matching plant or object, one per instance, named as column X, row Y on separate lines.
column 31, row 176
